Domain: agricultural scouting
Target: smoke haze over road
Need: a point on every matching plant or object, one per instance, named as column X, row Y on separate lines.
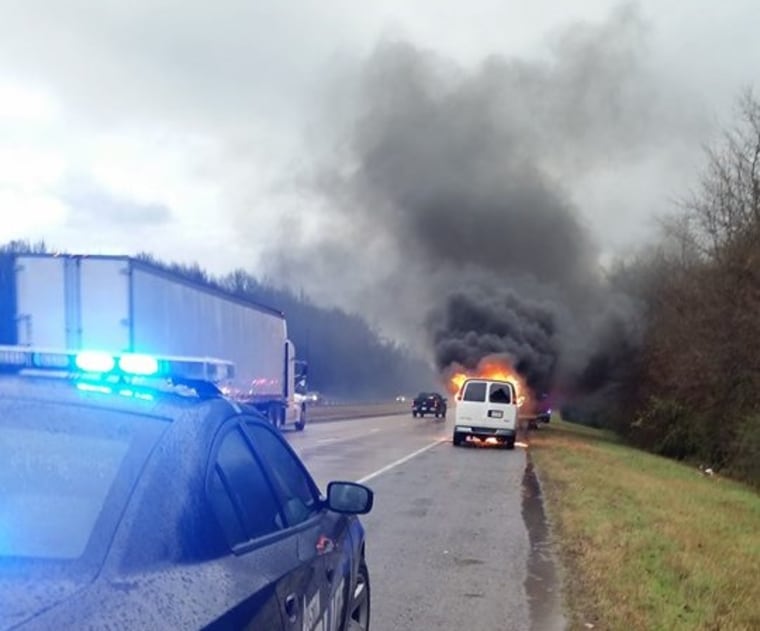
column 448, row 199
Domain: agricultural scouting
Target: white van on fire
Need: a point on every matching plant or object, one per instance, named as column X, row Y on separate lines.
column 487, row 411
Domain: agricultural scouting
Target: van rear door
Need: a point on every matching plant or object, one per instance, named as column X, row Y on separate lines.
column 501, row 408
column 471, row 403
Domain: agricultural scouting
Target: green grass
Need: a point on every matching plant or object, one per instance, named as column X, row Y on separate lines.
column 647, row 543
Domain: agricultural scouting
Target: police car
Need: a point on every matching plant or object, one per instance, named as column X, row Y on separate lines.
column 134, row 495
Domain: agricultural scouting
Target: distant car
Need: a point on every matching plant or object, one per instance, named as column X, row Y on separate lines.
column 401, row 399
column 487, row 412
column 429, row 403
column 130, row 505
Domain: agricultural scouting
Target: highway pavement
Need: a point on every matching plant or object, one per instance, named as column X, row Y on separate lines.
column 447, row 545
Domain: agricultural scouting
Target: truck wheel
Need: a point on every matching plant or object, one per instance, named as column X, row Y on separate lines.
column 273, row 415
column 457, row 440
column 301, row 422
column 510, row 444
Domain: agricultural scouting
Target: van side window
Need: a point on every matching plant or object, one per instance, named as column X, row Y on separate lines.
column 500, row 393
column 475, row 391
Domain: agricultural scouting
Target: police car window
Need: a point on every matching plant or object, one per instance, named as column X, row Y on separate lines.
column 475, row 391
column 77, row 465
column 500, row 393
column 255, row 509
column 49, row 477
column 229, row 517
column 294, row 487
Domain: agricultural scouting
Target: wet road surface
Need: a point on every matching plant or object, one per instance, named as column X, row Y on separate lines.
column 447, row 545
column 357, row 449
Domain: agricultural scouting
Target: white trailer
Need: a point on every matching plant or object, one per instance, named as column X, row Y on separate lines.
column 123, row 304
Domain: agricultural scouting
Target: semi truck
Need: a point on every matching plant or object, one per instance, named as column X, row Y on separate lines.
column 123, row 304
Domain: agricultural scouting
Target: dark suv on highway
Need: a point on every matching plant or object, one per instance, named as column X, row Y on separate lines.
column 429, row 403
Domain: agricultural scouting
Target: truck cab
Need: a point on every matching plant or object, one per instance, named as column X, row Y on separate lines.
column 296, row 400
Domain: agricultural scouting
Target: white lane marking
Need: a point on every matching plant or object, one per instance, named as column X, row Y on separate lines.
column 334, row 440
column 345, row 439
column 400, row 461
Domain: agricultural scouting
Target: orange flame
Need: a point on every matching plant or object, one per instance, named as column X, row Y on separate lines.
column 489, row 368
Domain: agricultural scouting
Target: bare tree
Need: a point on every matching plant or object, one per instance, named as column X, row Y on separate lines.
column 726, row 209
column 698, row 389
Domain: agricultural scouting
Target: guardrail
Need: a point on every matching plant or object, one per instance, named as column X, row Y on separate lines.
column 341, row 403
column 345, row 411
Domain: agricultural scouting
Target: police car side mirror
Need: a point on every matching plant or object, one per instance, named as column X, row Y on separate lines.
column 349, row 498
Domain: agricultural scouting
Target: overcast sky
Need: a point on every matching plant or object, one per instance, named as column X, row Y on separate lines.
column 165, row 125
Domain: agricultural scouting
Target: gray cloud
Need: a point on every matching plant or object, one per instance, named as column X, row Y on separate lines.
column 421, row 150
column 227, row 68
column 92, row 205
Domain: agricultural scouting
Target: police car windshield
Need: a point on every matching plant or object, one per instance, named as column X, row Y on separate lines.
column 65, row 472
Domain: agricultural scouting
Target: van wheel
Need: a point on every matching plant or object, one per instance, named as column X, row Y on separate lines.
column 457, row 440
column 510, row 444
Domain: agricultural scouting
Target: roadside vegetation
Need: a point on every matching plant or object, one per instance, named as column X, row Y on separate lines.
column 689, row 386
column 646, row 542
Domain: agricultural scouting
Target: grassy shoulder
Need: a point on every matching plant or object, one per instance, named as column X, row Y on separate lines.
column 647, row 543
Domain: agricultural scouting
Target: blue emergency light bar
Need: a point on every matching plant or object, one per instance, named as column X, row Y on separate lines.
column 106, row 366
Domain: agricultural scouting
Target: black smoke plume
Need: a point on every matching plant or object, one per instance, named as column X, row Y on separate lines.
column 449, row 214
column 477, row 324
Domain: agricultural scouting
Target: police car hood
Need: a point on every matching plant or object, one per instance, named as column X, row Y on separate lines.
column 23, row 599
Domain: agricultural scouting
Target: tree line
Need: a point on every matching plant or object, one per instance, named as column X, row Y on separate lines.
column 347, row 358
column 689, row 387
